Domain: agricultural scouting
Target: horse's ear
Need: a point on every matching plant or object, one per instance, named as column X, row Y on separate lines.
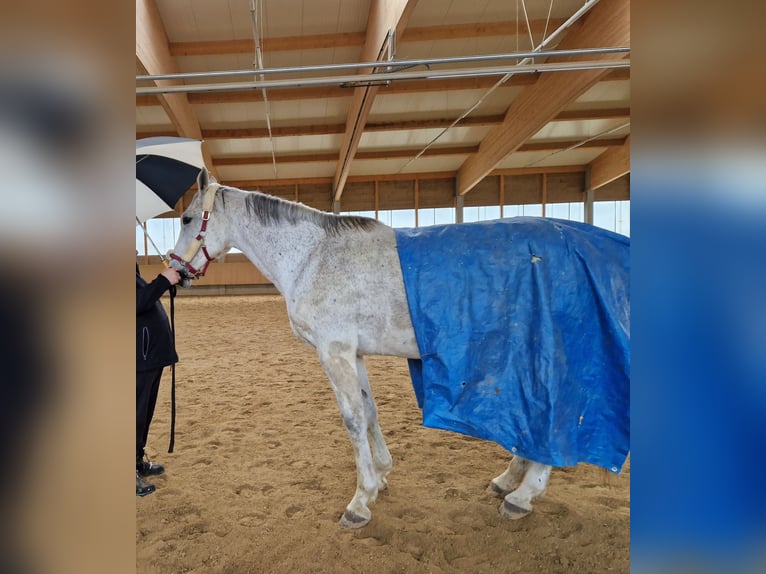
column 203, row 179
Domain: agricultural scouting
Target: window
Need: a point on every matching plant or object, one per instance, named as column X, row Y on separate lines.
column 397, row 217
column 574, row 211
column 481, row 213
column 612, row 215
column 523, row 210
column 162, row 231
column 403, row 218
column 436, row 216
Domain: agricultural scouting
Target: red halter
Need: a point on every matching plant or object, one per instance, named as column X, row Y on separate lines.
column 192, row 250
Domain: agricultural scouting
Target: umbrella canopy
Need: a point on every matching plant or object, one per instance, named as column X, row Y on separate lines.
column 166, row 167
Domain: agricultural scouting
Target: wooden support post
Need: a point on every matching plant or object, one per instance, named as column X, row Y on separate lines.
column 458, row 205
column 417, row 201
column 589, row 193
column 545, row 191
column 502, row 194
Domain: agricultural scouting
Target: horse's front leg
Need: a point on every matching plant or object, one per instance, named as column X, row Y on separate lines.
column 339, row 363
column 518, row 503
column 381, row 457
column 509, row 481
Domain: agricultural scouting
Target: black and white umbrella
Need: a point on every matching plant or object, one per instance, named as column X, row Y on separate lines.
column 166, row 167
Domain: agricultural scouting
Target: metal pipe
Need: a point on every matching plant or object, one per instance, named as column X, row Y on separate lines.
column 393, row 63
column 536, row 51
column 360, row 79
column 571, row 20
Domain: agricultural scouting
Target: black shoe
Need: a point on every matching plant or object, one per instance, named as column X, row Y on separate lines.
column 146, row 468
column 142, row 487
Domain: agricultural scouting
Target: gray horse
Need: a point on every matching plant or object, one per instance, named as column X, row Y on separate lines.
column 342, row 283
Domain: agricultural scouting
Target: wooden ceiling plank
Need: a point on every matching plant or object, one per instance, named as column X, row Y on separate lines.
column 617, row 142
column 436, row 123
column 350, row 39
column 607, row 24
column 610, row 165
column 423, row 176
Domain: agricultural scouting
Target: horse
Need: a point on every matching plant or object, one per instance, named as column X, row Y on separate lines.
column 342, row 283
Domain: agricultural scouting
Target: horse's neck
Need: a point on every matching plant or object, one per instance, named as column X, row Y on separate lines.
column 279, row 250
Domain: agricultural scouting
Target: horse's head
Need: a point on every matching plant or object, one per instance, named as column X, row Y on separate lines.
column 203, row 236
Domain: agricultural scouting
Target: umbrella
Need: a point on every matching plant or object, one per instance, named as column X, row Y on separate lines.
column 166, row 167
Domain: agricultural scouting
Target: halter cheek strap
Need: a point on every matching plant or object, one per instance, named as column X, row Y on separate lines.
column 199, row 241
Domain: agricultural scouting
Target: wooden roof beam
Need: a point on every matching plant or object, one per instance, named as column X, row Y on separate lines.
column 385, row 16
column 153, row 56
column 607, row 24
column 610, row 165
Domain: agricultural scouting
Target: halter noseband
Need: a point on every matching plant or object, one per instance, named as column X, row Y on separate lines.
column 199, row 242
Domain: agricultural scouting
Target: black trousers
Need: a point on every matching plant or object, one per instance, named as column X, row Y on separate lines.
column 147, row 387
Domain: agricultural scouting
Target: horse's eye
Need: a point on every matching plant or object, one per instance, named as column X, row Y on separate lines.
column 186, row 219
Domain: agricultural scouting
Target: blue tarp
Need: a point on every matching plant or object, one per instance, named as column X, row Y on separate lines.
column 523, row 327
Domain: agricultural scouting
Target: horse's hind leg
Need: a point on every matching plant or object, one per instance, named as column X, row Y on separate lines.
column 507, row 482
column 518, row 504
column 381, row 457
column 339, row 363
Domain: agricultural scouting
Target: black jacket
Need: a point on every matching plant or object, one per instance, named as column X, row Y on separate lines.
column 154, row 341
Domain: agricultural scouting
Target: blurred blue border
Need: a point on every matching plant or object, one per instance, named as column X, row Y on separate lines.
column 698, row 388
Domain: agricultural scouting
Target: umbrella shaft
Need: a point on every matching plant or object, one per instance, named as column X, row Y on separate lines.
column 146, row 233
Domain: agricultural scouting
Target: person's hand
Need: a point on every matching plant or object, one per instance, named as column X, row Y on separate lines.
column 171, row 275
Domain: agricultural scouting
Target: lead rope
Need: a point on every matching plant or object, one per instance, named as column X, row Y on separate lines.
column 173, row 372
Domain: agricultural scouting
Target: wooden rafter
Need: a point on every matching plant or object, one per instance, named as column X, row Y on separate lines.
column 610, row 165
column 607, row 24
column 153, row 56
column 385, row 16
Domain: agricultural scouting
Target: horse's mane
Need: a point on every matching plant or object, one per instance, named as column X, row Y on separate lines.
column 271, row 210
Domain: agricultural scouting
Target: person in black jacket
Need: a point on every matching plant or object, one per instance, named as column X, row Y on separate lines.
column 155, row 350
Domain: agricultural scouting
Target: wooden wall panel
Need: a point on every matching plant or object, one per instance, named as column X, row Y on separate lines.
column 436, row 193
column 523, row 189
column 283, row 191
column 316, row 195
column 218, row 273
column 617, row 190
column 396, row 194
column 358, row 196
column 565, row 187
column 486, row 192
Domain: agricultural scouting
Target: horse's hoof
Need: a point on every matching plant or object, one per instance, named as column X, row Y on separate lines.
column 510, row 511
column 496, row 491
column 351, row 520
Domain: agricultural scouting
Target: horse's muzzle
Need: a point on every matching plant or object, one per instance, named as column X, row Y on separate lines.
column 185, row 269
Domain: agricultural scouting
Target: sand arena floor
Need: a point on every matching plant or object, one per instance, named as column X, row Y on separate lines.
column 263, row 469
